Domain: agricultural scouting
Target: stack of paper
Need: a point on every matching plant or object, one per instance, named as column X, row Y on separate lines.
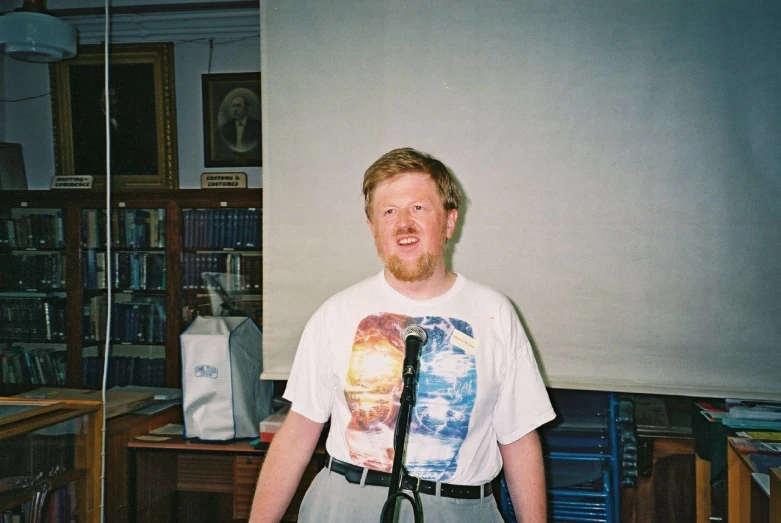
column 758, row 410
column 160, row 393
column 757, row 414
column 713, row 410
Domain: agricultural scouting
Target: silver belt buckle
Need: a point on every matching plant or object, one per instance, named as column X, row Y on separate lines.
column 416, row 488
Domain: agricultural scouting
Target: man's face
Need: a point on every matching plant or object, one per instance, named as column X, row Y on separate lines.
column 410, row 226
column 238, row 108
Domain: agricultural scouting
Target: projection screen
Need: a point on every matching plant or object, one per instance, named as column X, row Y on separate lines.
column 621, row 163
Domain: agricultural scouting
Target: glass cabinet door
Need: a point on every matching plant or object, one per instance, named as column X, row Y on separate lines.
column 222, row 263
column 32, row 297
column 135, row 269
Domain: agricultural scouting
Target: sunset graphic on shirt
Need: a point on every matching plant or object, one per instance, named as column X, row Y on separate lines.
column 447, row 385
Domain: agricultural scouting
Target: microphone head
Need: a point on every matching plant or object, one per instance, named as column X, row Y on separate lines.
column 416, row 331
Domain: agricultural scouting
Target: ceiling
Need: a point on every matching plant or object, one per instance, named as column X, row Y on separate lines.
column 87, row 7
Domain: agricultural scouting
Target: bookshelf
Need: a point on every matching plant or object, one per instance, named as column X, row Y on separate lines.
column 175, row 254
column 221, row 261
column 136, row 273
column 34, row 284
column 58, row 441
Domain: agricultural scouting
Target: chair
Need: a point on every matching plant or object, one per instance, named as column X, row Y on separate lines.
column 584, row 456
column 39, row 488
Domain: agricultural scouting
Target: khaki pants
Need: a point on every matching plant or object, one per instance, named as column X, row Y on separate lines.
column 331, row 499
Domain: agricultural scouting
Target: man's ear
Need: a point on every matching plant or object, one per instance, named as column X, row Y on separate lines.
column 452, row 219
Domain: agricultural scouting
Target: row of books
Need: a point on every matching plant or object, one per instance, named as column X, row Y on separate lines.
column 130, row 228
column 39, row 271
column 61, row 507
column 129, row 270
column 123, row 371
column 35, row 366
column 221, row 228
column 233, row 271
column 32, row 318
column 32, row 231
column 135, row 319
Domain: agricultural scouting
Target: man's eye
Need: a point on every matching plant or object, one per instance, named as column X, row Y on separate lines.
column 389, row 211
column 418, row 207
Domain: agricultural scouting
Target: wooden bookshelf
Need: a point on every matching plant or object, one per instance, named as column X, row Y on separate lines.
column 69, row 454
column 76, row 209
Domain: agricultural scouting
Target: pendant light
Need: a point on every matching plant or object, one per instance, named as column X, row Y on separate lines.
column 32, row 34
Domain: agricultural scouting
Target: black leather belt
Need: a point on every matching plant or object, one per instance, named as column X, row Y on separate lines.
column 353, row 473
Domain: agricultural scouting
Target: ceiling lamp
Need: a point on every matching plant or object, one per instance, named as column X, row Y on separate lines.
column 32, row 34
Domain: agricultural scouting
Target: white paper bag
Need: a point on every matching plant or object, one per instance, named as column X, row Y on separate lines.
column 222, row 395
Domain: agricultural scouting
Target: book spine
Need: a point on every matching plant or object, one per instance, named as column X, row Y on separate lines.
column 161, row 228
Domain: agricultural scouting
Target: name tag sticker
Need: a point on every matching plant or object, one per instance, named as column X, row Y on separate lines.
column 464, row 341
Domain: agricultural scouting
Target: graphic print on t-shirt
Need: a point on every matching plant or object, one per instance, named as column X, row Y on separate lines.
column 447, row 385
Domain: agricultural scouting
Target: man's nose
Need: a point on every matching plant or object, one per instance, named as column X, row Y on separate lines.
column 404, row 217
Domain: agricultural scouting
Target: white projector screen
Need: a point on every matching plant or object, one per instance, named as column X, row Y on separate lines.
column 621, row 162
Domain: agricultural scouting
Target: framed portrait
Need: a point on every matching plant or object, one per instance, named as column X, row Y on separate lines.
column 231, row 120
column 142, row 115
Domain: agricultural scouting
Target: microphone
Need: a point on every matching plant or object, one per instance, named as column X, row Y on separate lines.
column 415, row 338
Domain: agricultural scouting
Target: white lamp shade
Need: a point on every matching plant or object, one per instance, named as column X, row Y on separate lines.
column 36, row 37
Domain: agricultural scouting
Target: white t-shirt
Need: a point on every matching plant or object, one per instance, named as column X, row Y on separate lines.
column 478, row 381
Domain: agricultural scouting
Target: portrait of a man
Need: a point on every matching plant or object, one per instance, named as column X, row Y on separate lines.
column 232, row 134
column 132, row 123
column 135, row 114
column 240, row 130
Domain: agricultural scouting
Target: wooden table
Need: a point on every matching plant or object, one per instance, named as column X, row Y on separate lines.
column 190, row 480
column 120, row 431
column 775, row 494
column 746, row 501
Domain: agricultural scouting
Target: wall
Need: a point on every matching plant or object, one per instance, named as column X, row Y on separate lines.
column 236, row 49
column 619, row 161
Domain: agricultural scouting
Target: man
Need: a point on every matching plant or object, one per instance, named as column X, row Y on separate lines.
column 133, row 135
column 480, row 396
column 241, row 132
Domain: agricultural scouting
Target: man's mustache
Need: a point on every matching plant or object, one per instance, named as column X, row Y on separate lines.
column 402, row 231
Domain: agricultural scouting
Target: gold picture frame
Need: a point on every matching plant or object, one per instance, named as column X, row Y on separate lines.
column 143, row 141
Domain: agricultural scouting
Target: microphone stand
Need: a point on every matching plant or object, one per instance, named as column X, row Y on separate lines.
column 407, row 401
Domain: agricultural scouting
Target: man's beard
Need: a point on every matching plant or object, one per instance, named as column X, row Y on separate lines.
column 413, row 271
column 419, row 270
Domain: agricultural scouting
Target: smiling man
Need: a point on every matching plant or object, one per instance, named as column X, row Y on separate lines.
column 411, row 227
column 480, row 397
